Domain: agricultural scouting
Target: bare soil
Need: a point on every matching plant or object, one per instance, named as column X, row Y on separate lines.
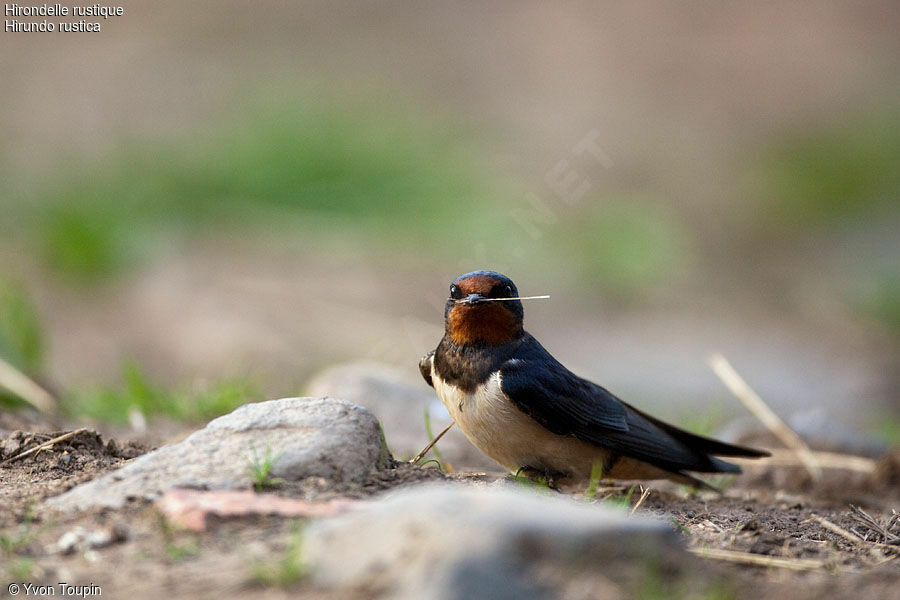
column 134, row 553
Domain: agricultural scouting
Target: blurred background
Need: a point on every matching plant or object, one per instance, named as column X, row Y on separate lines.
column 212, row 201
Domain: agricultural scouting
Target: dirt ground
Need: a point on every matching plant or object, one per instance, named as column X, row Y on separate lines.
column 769, row 513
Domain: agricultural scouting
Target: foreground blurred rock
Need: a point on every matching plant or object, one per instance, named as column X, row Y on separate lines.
column 305, row 437
column 443, row 541
column 400, row 400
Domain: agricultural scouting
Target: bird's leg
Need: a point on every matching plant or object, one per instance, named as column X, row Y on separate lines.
column 553, row 478
column 544, row 476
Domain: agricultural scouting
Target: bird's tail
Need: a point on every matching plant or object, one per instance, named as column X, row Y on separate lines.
column 707, row 445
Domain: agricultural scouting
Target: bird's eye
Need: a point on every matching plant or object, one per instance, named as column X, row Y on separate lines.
column 508, row 291
column 455, row 292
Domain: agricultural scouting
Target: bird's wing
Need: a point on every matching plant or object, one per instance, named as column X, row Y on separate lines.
column 568, row 405
column 425, row 367
column 561, row 402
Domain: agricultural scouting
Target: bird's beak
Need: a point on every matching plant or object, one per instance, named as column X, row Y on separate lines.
column 471, row 299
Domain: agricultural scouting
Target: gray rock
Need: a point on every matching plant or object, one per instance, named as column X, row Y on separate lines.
column 399, row 400
column 454, row 542
column 307, row 437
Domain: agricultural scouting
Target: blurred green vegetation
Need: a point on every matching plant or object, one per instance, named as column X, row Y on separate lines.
column 833, row 177
column 113, row 405
column 704, row 422
column 831, row 172
column 22, row 345
column 880, row 299
column 625, row 247
column 357, row 169
column 887, row 428
column 391, row 173
column 21, row 335
column 286, row 570
column 384, row 174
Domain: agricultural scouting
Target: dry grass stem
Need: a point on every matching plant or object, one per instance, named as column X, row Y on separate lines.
column 747, row 558
column 713, row 525
column 886, row 560
column 824, row 460
column 838, row 530
column 766, row 415
column 25, row 388
column 890, row 538
column 430, row 445
column 852, row 537
column 45, row 445
column 644, row 493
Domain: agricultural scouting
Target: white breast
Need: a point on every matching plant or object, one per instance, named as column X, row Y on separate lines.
column 483, row 415
column 496, row 427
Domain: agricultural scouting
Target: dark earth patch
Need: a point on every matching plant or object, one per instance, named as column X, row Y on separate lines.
column 53, row 470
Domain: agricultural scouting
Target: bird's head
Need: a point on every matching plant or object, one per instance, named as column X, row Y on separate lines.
column 483, row 309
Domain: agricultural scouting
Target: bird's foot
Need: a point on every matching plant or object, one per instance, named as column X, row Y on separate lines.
column 547, row 476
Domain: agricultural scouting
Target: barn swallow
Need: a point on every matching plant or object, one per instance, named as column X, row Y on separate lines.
column 525, row 410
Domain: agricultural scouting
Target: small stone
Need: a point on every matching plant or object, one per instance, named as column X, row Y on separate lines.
column 10, row 446
column 99, row 538
column 69, row 541
column 82, row 540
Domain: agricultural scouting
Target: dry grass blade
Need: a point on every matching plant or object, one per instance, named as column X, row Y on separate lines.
column 886, row 560
column 766, row 415
column 850, row 536
column 824, row 460
column 430, row 445
column 712, row 525
column 45, row 445
column 644, row 493
column 890, row 538
column 747, row 558
column 25, row 388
